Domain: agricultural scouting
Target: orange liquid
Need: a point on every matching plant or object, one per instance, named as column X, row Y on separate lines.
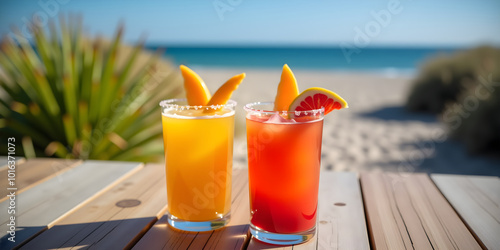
column 198, row 156
column 283, row 165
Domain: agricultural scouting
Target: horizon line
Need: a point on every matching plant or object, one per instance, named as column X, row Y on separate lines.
column 309, row 46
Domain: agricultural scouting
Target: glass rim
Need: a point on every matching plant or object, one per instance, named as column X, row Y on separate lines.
column 173, row 103
column 249, row 107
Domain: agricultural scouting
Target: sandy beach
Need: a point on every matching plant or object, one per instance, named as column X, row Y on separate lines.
column 374, row 134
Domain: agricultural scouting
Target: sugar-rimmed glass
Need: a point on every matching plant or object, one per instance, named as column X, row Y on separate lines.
column 198, row 145
column 284, row 158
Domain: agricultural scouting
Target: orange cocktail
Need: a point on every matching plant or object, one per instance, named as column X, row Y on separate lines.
column 198, row 154
column 284, row 157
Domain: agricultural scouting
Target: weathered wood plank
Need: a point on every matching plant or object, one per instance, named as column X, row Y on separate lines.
column 34, row 171
column 40, row 207
column 107, row 222
column 407, row 211
column 341, row 221
column 233, row 236
column 4, row 160
column 477, row 200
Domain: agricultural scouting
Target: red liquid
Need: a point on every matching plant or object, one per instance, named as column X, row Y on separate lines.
column 283, row 166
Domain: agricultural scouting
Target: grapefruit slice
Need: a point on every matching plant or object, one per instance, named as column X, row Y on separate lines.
column 287, row 90
column 197, row 92
column 315, row 98
column 223, row 94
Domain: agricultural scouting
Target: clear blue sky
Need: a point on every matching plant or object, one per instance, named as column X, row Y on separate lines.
column 292, row 22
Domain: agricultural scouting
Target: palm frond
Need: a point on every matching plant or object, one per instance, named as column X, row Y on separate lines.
column 68, row 95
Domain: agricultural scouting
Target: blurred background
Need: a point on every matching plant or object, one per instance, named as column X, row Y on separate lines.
column 375, row 35
column 421, row 77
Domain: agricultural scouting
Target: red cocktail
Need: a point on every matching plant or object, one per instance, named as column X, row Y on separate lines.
column 284, row 157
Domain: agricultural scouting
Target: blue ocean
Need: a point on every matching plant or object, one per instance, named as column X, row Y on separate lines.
column 399, row 60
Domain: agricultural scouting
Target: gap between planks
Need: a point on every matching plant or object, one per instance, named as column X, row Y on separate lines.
column 4, row 161
column 98, row 193
column 407, row 211
column 341, row 217
column 35, row 171
column 103, row 224
column 56, row 198
column 477, row 201
column 162, row 236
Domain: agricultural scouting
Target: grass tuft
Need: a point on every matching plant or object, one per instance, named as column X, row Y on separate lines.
column 465, row 89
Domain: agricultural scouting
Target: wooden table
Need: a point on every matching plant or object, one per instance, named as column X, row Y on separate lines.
column 115, row 205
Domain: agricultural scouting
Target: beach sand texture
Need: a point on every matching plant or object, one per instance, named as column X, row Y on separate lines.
column 374, row 134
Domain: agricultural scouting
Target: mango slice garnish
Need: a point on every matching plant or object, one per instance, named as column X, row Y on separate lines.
column 223, row 94
column 288, row 90
column 197, row 92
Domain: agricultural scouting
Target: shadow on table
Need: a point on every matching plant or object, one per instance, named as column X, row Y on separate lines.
column 162, row 236
column 117, row 234
column 21, row 234
column 398, row 113
column 448, row 157
column 124, row 234
column 120, row 234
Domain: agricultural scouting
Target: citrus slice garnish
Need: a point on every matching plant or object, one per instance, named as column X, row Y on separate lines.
column 197, row 92
column 223, row 94
column 287, row 90
column 316, row 98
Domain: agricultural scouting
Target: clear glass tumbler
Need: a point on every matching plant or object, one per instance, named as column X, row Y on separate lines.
column 198, row 144
column 284, row 158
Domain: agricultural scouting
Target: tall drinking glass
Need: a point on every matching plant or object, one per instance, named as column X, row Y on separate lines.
column 284, row 157
column 198, row 143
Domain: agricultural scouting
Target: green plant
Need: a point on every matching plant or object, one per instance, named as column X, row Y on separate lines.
column 70, row 96
column 464, row 87
column 479, row 128
column 442, row 79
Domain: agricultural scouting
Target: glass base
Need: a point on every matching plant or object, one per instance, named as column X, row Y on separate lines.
column 198, row 226
column 281, row 239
